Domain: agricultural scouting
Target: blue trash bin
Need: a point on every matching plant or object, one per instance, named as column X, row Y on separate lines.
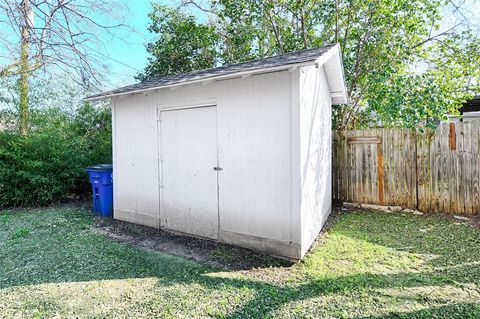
column 101, row 179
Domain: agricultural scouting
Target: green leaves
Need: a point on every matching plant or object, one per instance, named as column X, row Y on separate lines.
column 400, row 68
column 183, row 45
column 48, row 165
column 443, row 79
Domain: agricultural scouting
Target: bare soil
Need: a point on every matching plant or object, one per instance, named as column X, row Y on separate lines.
column 202, row 250
column 230, row 258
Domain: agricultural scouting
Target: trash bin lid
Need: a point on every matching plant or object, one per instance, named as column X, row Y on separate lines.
column 101, row 168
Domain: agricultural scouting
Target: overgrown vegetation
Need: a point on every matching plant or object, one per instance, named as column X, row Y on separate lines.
column 369, row 265
column 48, row 164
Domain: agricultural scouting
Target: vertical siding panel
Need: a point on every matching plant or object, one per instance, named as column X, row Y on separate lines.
column 114, row 156
column 136, row 159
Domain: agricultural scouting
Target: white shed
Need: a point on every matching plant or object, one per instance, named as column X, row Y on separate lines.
column 240, row 153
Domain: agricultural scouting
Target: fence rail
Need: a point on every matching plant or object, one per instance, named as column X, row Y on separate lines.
column 434, row 171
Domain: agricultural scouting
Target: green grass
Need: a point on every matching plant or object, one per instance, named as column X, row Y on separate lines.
column 53, row 263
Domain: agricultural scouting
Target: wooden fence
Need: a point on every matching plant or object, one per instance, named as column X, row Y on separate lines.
column 434, row 171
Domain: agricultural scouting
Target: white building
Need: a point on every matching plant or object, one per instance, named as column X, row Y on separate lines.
column 240, row 154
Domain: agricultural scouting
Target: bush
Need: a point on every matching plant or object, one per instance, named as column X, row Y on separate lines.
column 49, row 164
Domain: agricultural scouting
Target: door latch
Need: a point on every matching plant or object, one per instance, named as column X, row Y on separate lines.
column 216, row 168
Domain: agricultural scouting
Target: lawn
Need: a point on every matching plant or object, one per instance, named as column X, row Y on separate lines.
column 55, row 263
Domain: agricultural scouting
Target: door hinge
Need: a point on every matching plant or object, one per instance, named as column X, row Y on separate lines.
column 216, row 168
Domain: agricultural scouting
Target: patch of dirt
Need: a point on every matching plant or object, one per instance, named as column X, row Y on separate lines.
column 202, row 250
column 475, row 221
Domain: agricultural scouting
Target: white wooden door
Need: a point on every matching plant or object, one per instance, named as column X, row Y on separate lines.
column 189, row 183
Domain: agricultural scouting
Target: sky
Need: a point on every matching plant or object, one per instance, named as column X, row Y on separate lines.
column 125, row 54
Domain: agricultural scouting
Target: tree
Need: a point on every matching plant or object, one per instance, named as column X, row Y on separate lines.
column 401, row 67
column 382, row 42
column 410, row 99
column 182, row 45
column 54, row 35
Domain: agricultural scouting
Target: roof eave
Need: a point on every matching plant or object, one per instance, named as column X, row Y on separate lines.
column 205, row 79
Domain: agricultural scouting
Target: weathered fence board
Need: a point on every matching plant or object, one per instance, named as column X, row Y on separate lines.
column 433, row 171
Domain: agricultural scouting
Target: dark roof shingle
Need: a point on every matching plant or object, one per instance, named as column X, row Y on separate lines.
column 296, row 57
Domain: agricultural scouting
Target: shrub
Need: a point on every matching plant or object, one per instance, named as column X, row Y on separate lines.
column 49, row 164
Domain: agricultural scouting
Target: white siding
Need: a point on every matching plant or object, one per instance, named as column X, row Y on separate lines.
column 254, row 118
column 315, row 153
column 135, row 161
column 274, row 145
column 254, row 138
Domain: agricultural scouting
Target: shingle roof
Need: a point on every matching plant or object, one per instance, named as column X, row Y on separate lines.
column 292, row 58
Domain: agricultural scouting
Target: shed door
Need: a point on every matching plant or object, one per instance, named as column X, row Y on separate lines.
column 189, row 188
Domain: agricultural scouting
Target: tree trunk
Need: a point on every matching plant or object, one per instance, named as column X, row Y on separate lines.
column 27, row 15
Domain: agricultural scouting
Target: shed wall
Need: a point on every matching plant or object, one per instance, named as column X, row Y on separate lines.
column 315, row 134
column 254, row 120
column 135, row 160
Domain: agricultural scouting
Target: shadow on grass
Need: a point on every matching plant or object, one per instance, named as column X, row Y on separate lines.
column 61, row 247
column 452, row 311
column 269, row 297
